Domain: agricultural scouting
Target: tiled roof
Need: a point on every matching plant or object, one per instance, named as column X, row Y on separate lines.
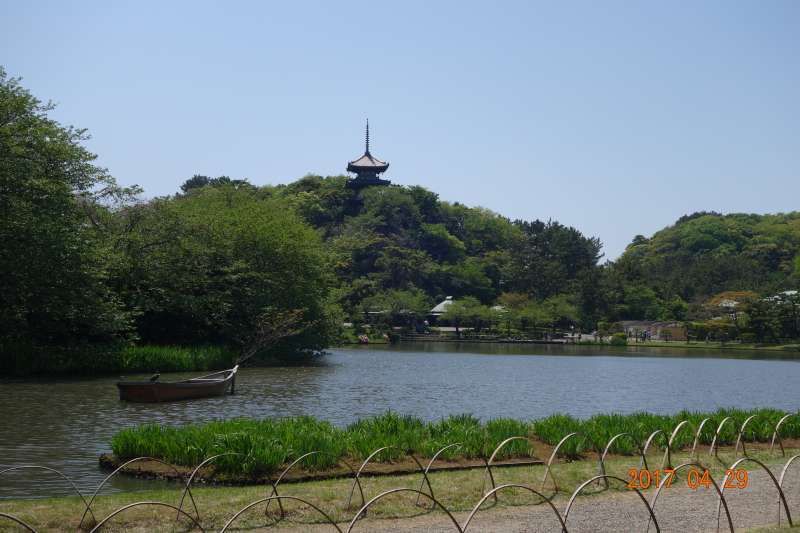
column 367, row 161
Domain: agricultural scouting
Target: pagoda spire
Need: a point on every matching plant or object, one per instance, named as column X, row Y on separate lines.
column 367, row 167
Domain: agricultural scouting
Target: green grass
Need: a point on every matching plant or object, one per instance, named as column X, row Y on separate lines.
column 174, row 358
column 265, row 445
column 91, row 359
column 713, row 345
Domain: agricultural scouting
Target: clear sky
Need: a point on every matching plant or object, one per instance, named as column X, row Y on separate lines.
column 613, row 117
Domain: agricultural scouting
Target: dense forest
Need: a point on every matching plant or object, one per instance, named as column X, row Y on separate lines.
column 89, row 266
column 708, row 253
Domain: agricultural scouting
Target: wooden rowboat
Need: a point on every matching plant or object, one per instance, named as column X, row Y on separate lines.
column 215, row 384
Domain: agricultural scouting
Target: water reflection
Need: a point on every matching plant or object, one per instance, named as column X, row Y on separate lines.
column 66, row 424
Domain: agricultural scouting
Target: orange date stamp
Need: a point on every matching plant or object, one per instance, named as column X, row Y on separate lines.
column 644, row 479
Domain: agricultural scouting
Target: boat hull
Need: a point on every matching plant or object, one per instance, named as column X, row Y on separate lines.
column 154, row 392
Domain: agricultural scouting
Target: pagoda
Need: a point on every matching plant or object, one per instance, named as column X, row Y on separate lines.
column 366, row 168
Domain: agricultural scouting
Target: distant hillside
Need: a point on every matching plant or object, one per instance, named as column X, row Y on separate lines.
column 389, row 239
column 706, row 253
column 402, row 248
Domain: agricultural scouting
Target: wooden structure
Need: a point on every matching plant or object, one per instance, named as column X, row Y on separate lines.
column 367, row 168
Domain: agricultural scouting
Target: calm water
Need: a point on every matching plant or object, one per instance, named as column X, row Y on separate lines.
column 66, row 424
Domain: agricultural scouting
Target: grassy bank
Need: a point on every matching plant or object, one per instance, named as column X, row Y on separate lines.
column 175, row 358
column 459, row 491
column 107, row 359
column 266, row 445
column 348, row 335
column 704, row 345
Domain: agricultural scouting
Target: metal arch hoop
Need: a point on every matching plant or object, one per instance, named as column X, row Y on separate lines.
column 716, row 487
column 262, row 500
column 739, row 439
column 368, row 459
column 613, row 439
column 776, row 433
column 714, row 448
column 48, row 469
column 697, row 435
column 497, row 449
column 552, row 458
column 595, row 478
column 297, row 461
column 18, row 521
column 123, row 465
column 780, row 480
column 505, row 442
column 643, row 462
column 191, row 478
column 427, row 469
column 608, row 447
column 436, row 502
column 785, row 468
column 137, row 504
column 515, row 486
column 771, row 476
column 667, row 461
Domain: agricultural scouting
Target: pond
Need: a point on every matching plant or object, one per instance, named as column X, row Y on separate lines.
column 66, row 424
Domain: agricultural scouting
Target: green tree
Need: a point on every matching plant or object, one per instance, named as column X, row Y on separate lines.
column 466, row 311
column 534, row 315
column 674, row 309
column 198, row 181
column 548, row 258
column 56, row 292
column 208, row 266
column 797, row 268
column 641, row 302
column 402, row 307
column 466, row 278
column 562, row 311
column 437, row 241
column 763, row 319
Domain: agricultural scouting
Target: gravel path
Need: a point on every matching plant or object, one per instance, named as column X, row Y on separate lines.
column 678, row 509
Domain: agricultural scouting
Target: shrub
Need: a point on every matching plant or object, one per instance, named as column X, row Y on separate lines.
column 619, row 339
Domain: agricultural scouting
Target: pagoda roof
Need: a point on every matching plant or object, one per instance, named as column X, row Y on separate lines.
column 367, row 162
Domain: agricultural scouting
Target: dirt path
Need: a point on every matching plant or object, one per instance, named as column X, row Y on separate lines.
column 678, row 509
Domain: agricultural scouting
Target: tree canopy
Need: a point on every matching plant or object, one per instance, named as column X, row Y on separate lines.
column 705, row 254
column 56, row 286
column 85, row 264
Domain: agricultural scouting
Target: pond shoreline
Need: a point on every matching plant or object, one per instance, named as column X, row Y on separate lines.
column 178, row 358
column 155, row 470
column 148, row 469
column 649, row 344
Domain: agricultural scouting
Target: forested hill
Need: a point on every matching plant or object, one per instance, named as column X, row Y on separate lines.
column 403, row 248
column 396, row 247
column 707, row 253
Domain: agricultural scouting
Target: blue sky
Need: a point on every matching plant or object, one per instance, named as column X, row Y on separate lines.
column 613, row 117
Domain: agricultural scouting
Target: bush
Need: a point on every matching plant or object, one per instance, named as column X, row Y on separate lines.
column 748, row 337
column 619, row 339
